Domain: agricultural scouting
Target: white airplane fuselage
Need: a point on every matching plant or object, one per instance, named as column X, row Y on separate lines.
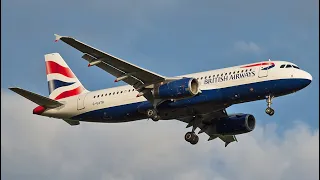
column 220, row 89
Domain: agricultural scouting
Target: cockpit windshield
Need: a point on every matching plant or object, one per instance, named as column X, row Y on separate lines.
column 289, row 66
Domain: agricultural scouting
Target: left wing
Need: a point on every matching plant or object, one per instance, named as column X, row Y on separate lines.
column 205, row 123
column 136, row 76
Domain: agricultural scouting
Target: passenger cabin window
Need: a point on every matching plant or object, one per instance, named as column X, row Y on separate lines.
column 282, row 66
column 288, row 66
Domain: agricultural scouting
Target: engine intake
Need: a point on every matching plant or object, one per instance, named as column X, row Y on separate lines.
column 236, row 124
column 178, row 89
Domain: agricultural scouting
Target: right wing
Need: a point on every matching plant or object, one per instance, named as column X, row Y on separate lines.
column 36, row 98
column 205, row 124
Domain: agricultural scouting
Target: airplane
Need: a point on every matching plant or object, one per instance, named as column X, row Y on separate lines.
column 199, row 99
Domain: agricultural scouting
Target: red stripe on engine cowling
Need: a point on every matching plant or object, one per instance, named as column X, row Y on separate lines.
column 72, row 92
column 53, row 67
column 258, row 64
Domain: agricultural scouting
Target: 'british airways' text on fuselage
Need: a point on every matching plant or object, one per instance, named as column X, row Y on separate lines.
column 229, row 77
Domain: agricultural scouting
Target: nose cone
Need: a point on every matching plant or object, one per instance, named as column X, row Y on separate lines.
column 306, row 80
column 308, row 77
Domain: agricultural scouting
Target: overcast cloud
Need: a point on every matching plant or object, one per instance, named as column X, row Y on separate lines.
column 34, row 147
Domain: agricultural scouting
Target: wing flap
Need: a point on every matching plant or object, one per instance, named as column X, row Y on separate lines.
column 36, row 98
column 72, row 122
column 228, row 139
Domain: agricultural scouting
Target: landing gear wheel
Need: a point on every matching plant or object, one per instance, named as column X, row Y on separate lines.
column 155, row 118
column 270, row 111
column 151, row 113
column 194, row 140
column 191, row 137
column 188, row 136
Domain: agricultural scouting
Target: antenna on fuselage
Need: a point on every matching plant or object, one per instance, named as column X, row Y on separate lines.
column 269, row 59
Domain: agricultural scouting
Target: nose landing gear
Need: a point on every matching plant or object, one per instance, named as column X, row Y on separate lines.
column 269, row 110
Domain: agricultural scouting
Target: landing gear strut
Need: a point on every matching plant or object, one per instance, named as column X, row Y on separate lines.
column 269, row 110
column 152, row 113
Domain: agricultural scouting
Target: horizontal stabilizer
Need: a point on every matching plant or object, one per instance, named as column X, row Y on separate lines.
column 36, row 98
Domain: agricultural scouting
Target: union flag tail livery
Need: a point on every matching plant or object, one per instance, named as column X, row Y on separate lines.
column 62, row 82
column 200, row 99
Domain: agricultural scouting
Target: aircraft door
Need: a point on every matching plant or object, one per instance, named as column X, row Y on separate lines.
column 263, row 70
column 80, row 103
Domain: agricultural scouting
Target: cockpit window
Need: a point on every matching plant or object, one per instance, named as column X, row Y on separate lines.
column 282, row 66
column 295, row 67
column 288, row 66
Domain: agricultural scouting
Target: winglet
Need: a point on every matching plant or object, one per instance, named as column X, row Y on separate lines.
column 57, row 37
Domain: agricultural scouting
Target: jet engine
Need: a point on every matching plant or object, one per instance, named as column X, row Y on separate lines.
column 177, row 89
column 236, row 124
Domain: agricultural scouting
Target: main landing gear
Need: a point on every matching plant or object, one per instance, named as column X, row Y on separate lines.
column 269, row 110
column 191, row 137
column 152, row 113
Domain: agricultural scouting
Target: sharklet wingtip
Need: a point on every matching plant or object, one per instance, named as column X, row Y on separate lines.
column 58, row 37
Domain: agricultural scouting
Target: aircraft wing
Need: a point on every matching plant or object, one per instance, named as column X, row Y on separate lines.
column 206, row 124
column 133, row 75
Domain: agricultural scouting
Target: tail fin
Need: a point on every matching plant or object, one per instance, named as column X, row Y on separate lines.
column 62, row 82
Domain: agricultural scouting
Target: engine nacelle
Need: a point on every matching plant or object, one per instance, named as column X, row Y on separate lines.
column 236, row 124
column 178, row 89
